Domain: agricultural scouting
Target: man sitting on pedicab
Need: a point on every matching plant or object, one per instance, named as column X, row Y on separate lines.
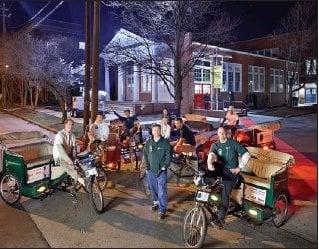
column 186, row 141
column 64, row 150
column 223, row 161
column 99, row 130
column 232, row 120
column 127, row 119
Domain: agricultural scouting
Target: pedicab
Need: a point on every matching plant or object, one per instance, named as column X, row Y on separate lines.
column 27, row 169
column 262, row 194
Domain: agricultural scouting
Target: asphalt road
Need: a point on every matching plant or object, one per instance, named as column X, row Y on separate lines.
column 128, row 220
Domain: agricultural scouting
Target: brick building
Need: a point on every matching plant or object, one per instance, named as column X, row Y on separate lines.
column 247, row 75
column 273, row 46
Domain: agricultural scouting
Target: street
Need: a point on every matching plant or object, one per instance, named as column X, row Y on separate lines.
column 129, row 222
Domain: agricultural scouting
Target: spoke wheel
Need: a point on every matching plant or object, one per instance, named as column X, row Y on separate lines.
column 10, row 189
column 97, row 197
column 280, row 211
column 101, row 178
column 195, row 227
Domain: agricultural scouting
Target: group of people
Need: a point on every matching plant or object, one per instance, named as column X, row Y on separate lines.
column 158, row 151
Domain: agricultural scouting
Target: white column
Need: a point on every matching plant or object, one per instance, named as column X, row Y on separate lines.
column 120, row 82
column 107, row 83
column 154, row 88
column 136, row 82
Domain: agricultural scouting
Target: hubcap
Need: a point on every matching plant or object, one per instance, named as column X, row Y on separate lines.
column 9, row 189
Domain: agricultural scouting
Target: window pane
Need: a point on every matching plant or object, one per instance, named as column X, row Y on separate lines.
column 197, row 74
column 206, row 75
column 230, row 81
column 237, row 82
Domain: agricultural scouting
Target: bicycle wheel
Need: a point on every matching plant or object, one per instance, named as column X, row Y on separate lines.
column 101, row 178
column 97, row 197
column 195, row 227
column 10, row 189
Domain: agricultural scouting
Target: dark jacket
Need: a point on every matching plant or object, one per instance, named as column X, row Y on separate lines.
column 157, row 154
column 129, row 122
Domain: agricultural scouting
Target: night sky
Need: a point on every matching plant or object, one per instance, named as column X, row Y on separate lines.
column 258, row 18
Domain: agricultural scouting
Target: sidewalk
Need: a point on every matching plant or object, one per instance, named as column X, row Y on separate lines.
column 286, row 112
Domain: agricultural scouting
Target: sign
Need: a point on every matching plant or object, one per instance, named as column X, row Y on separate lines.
column 217, row 76
column 255, row 195
column 38, row 174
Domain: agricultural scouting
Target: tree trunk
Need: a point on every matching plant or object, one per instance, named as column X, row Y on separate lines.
column 63, row 110
column 25, row 97
column 36, row 97
column 31, row 98
column 21, row 84
column 3, row 92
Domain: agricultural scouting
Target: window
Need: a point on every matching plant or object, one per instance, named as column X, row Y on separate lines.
column 276, row 80
column 202, row 71
column 82, row 45
column 311, row 66
column 198, row 89
column 231, row 77
column 256, row 79
column 146, row 84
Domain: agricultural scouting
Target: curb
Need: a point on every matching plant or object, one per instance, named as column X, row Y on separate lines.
column 30, row 121
column 297, row 115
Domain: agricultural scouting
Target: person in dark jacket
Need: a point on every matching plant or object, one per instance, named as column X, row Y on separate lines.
column 127, row 119
column 157, row 156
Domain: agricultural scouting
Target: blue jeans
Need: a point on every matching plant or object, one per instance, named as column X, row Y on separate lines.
column 158, row 187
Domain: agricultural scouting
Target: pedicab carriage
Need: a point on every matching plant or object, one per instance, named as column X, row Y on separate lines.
column 262, row 194
column 27, row 169
column 120, row 151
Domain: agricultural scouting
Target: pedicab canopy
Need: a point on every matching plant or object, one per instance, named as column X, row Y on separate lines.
column 22, row 137
column 264, row 163
column 268, row 126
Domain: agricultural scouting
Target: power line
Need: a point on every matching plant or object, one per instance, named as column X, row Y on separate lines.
column 36, row 14
column 31, row 27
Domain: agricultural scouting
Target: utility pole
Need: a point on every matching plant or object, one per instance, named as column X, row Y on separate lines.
column 95, row 78
column 4, row 15
column 87, row 82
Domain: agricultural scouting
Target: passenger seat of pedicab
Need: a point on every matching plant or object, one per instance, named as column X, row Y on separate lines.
column 260, row 167
column 35, row 154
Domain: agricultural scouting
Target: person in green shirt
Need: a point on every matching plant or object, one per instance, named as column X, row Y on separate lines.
column 157, row 156
column 226, row 152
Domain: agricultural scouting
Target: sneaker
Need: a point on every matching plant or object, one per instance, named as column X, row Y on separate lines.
column 154, row 207
column 162, row 216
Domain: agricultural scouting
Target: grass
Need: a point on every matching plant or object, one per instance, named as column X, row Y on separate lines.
column 45, row 119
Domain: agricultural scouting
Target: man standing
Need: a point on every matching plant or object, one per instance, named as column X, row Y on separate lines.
column 157, row 156
column 64, row 150
column 226, row 152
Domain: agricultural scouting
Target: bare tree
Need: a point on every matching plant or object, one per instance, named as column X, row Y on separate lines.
column 164, row 35
column 30, row 65
column 296, row 38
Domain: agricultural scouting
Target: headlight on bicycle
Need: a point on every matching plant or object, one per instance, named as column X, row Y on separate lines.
column 140, row 146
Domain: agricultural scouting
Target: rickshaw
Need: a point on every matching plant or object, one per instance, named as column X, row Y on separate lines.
column 262, row 194
column 27, row 169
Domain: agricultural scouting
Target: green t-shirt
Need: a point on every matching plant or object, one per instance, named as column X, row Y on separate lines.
column 228, row 152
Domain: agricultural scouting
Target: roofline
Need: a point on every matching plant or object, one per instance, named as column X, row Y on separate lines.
column 237, row 51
